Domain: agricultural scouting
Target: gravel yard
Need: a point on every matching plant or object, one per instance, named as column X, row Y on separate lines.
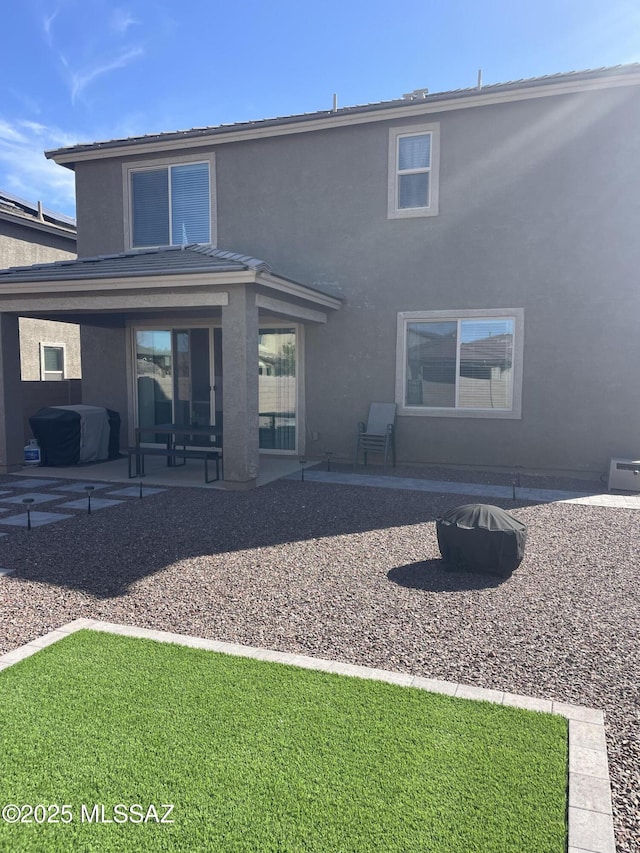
column 354, row 574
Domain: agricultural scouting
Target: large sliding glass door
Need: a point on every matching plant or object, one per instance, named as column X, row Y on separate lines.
column 179, row 376
column 173, row 376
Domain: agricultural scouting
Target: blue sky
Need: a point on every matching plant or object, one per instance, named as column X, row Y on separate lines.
column 86, row 70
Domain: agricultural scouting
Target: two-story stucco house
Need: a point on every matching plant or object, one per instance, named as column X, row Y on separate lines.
column 472, row 255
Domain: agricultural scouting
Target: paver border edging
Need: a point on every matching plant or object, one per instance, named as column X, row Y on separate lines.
column 590, row 817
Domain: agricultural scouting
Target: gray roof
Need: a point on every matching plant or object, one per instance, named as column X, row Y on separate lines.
column 168, row 260
column 407, row 100
column 13, row 205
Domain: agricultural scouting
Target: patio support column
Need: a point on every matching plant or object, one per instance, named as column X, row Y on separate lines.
column 12, row 437
column 240, row 388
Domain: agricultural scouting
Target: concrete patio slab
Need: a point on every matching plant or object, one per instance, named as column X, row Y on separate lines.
column 159, row 474
column 96, row 503
column 38, row 519
column 35, row 497
column 82, row 486
column 134, row 491
column 32, row 483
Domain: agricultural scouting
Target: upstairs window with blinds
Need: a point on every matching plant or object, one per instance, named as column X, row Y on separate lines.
column 171, row 206
column 414, row 165
column 460, row 364
column 413, row 171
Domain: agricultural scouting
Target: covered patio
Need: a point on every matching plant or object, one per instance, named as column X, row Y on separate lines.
column 157, row 473
column 191, row 334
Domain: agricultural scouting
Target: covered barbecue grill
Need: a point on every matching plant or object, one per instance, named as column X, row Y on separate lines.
column 69, row 435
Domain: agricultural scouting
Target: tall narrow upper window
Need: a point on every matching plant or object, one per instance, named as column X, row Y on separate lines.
column 413, row 171
column 171, row 206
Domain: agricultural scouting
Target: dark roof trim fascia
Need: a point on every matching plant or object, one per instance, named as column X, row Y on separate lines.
column 390, row 110
column 47, row 227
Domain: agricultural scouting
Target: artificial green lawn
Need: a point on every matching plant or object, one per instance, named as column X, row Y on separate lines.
column 264, row 757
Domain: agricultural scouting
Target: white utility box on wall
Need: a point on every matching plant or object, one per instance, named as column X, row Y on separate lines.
column 624, row 475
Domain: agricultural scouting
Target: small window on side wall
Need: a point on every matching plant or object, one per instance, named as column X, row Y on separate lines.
column 414, row 164
column 460, row 364
column 51, row 362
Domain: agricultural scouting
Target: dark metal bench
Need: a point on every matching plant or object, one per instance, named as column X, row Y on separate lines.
column 209, row 455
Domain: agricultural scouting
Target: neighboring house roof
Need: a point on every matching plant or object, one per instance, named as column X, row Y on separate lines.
column 21, row 212
column 417, row 102
column 170, row 260
column 494, row 350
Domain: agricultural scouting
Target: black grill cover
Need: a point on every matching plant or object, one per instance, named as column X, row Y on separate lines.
column 58, row 432
column 481, row 538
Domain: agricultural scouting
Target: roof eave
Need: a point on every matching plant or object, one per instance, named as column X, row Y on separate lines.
column 525, row 90
column 21, row 286
column 48, row 227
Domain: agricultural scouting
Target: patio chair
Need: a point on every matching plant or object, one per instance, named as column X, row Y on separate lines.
column 378, row 434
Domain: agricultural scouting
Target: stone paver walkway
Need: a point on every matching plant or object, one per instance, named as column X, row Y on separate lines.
column 474, row 489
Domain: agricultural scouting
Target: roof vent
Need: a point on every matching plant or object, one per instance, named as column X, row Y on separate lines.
column 416, row 95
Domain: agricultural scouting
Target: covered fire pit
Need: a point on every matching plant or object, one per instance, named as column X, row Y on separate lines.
column 481, row 538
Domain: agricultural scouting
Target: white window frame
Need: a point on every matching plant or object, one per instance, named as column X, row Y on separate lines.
column 60, row 374
column 166, row 163
column 405, row 317
column 395, row 134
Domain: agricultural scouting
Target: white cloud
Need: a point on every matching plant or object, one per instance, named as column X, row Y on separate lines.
column 9, row 133
column 34, row 127
column 121, row 20
column 25, row 171
column 80, row 80
column 47, row 21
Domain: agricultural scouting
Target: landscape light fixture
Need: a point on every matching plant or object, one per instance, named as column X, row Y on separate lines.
column 88, row 490
column 28, row 502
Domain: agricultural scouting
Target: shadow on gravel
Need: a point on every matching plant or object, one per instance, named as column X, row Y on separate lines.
column 436, row 576
column 105, row 553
